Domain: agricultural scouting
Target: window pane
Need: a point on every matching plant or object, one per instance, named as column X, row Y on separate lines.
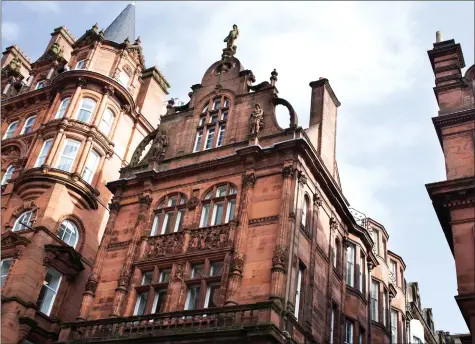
column 224, row 116
column 48, row 291
column 350, row 265
column 62, row 108
column 221, row 191
column 124, row 79
column 28, row 126
column 349, row 332
column 172, row 201
column 70, row 150
column 226, row 102
column 179, row 220
column 205, row 109
column 24, row 218
column 6, row 264
column 106, row 121
column 165, row 275
column 230, row 210
column 90, row 166
column 216, row 104
column 211, row 294
column 156, row 223
column 202, row 121
column 394, row 323
column 217, row 217
column 8, row 174
column 199, row 136
column 209, row 138
column 204, row 215
column 43, row 153
column 232, row 190
column 68, row 232
column 147, row 278
column 213, row 119
column 166, row 227
column 140, row 304
column 10, row 130
column 192, row 298
column 216, row 269
column 159, row 300
column 222, row 131
column 80, row 64
column 197, row 270
column 86, row 109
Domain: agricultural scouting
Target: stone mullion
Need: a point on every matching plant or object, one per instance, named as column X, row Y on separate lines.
column 93, row 280
column 114, row 125
column 281, row 249
column 53, row 106
column 308, row 314
column 124, row 278
column 108, row 91
column 84, row 154
column 237, row 260
column 54, row 151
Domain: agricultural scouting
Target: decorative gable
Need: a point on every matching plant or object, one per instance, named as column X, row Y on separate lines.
column 13, row 244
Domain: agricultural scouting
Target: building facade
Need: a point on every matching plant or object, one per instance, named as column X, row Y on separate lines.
column 421, row 324
column 70, row 121
column 454, row 198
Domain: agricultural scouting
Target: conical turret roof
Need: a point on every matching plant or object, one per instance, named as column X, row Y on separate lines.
column 122, row 27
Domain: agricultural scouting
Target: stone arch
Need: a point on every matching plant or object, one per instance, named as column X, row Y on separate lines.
column 210, row 189
column 81, row 229
column 11, row 153
column 292, row 114
column 27, row 205
column 135, row 160
column 206, row 98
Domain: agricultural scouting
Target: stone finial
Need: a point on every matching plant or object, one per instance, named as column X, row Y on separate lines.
column 438, row 37
column 95, row 27
column 273, row 77
column 138, row 41
column 126, row 41
column 101, row 33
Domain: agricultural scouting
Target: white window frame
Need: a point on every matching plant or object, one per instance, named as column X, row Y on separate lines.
column 155, row 300
column 90, row 166
column 124, row 79
column 298, row 292
column 63, row 107
column 81, row 64
column 214, row 217
column 69, row 228
column 231, row 208
column 350, row 265
column 8, row 174
column 199, row 137
column 26, row 215
column 213, row 131
column 30, row 121
column 40, row 83
column 394, row 326
column 106, row 125
column 221, row 133
column 374, row 300
column 41, row 159
column 54, row 290
column 349, row 332
column 332, row 324
column 10, row 130
column 72, row 158
column 81, row 107
column 4, row 274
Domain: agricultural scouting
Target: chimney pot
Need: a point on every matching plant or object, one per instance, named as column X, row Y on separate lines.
column 438, row 37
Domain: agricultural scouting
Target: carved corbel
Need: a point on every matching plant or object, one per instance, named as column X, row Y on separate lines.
column 317, row 200
column 81, row 82
column 249, row 180
column 108, row 90
column 302, row 179
column 288, row 172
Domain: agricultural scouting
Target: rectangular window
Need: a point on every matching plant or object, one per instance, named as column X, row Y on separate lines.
column 80, row 64
column 62, row 108
column 385, row 309
column 213, row 119
column 43, row 153
column 209, row 138
column 141, row 303
column 167, row 226
column 350, row 266
column 216, row 104
column 361, row 274
column 216, row 269
column 192, row 298
column 202, row 121
column 90, row 166
column 217, row 217
column 222, row 131
column 332, row 324
column 361, row 336
column 224, row 116
column 178, row 221
column 48, row 291
column 147, row 278
column 10, row 130
column 28, row 126
column 159, row 300
column 156, row 223
column 394, row 325
column 6, row 264
column 106, row 121
column 375, row 236
column 211, row 293
column 71, row 148
column 374, row 300
column 165, row 275
column 197, row 270
column 298, row 291
column 230, row 210
column 349, row 332
column 199, row 136
column 204, row 215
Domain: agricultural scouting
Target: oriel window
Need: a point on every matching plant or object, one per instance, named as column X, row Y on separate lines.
column 169, row 214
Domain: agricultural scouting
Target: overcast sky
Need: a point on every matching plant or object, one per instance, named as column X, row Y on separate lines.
column 375, row 56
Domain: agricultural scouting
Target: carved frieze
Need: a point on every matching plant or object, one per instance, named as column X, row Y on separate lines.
column 263, row 220
column 124, row 279
column 209, row 238
column 165, row 245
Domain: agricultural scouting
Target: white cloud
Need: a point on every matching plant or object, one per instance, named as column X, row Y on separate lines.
column 10, row 31
column 42, row 6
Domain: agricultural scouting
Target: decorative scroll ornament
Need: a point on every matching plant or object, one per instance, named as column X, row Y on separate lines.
column 256, row 120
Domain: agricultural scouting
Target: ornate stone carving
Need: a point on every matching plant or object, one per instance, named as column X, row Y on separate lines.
column 302, row 178
column 81, row 82
column 288, row 171
column 126, row 108
column 333, row 224
column 317, row 200
column 192, row 203
column 263, row 220
column 210, row 238
column 294, row 260
column 249, row 180
column 180, row 271
column 114, row 205
column 11, row 152
column 124, row 279
column 19, row 163
column 237, row 263
column 256, row 120
column 145, row 200
column 230, row 49
column 278, row 259
column 164, row 245
column 159, row 144
column 91, row 284
column 108, row 90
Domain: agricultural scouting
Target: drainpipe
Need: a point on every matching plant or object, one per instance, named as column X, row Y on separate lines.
column 370, row 267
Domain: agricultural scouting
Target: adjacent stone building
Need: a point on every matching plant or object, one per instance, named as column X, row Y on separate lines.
column 70, row 121
column 421, row 322
column 221, row 226
column 454, row 198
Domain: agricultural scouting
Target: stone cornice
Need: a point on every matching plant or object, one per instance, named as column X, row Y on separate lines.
column 446, row 48
column 325, row 82
column 158, row 77
column 458, row 117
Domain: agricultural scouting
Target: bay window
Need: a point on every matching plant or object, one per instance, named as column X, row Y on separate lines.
column 70, row 150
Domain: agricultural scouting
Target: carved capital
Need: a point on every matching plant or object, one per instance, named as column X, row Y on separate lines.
column 249, row 180
column 108, row 90
column 81, row 82
column 124, row 279
column 333, row 224
column 192, row 203
column 288, row 172
column 126, row 109
column 114, row 205
column 237, row 263
column 278, row 259
column 302, row 179
column 145, row 200
column 91, row 284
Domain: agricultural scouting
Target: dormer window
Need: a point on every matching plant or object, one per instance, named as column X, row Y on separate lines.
column 212, row 124
column 40, row 84
column 81, row 64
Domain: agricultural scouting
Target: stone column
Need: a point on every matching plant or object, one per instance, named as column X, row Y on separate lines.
column 93, row 280
column 237, row 260
column 54, row 151
column 108, row 91
column 84, row 155
column 81, row 82
column 281, row 250
column 123, row 283
column 54, row 65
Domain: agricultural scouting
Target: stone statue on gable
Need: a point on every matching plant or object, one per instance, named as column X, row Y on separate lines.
column 232, row 36
column 256, row 120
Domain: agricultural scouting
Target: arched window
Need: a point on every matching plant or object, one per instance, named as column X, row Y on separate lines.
column 305, row 216
column 28, row 126
column 169, row 214
column 86, row 110
column 24, row 219
column 62, row 108
column 90, row 166
column 81, row 64
column 43, row 153
column 106, row 121
column 69, row 233
column 212, row 124
column 8, row 174
column 219, row 205
column 70, row 150
column 40, row 84
column 10, row 130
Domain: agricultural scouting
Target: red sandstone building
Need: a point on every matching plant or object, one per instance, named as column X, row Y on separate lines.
column 222, row 226
column 454, row 198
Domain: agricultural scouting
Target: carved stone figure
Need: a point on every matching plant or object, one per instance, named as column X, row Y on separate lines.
column 232, row 36
column 256, row 121
column 160, row 142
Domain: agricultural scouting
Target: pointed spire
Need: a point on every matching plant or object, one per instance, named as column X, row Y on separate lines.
column 123, row 27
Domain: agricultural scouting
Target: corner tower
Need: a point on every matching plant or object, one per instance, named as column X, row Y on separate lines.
column 70, row 121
